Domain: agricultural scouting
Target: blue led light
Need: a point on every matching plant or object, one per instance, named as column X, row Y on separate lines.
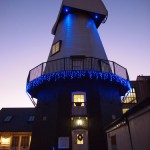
column 96, row 16
column 66, row 10
column 78, row 74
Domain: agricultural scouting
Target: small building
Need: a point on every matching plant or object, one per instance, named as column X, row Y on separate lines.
column 16, row 128
column 132, row 130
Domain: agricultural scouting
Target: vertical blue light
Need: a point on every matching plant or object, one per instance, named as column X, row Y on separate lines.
column 66, row 10
column 96, row 16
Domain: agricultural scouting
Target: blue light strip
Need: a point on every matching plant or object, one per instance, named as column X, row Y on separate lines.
column 77, row 75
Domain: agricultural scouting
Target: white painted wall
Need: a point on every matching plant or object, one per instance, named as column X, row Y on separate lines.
column 140, row 132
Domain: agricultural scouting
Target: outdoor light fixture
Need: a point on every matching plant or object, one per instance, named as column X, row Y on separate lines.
column 96, row 16
column 66, row 10
column 79, row 122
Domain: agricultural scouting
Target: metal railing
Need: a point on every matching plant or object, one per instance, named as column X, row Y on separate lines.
column 85, row 63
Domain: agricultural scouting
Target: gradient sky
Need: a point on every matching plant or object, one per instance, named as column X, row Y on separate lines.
column 25, row 41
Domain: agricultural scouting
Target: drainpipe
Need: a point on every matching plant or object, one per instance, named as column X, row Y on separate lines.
column 127, row 122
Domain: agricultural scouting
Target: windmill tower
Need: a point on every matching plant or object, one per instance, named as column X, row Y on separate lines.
column 78, row 89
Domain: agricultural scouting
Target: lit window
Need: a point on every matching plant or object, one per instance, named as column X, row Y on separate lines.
column 56, row 47
column 130, row 97
column 15, row 141
column 31, row 118
column 5, row 141
column 79, row 138
column 7, row 119
column 79, row 98
column 124, row 110
column 25, row 141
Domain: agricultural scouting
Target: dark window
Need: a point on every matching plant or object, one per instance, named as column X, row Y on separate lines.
column 113, row 142
column 15, row 141
column 31, row 118
column 7, row 118
column 25, row 141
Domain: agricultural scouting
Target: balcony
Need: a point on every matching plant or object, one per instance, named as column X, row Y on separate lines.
column 75, row 63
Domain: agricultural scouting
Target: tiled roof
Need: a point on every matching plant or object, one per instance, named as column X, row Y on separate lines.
column 19, row 120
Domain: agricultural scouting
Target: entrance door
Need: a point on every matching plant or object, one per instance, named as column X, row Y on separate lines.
column 77, row 64
column 79, row 139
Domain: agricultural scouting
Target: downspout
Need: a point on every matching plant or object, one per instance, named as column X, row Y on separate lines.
column 127, row 122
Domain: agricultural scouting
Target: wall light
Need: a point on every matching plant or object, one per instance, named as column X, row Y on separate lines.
column 66, row 10
column 96, row 16
column 79, row 122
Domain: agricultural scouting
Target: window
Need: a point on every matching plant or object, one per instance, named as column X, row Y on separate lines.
column 78, row 98
column 124, row 110
column 15, row 141
column 113, row 142
column 31, row 118
column 56, row 47
column 130, row 97
column 25, row 141
column 7, row 118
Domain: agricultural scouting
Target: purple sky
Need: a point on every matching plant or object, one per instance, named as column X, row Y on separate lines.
column 25, row 41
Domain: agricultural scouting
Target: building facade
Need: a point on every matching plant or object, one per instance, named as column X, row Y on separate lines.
column 16, row 128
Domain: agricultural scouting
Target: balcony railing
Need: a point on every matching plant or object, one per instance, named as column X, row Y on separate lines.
column 84, row 63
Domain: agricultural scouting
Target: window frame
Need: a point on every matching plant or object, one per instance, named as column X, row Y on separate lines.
column 8, row 118
column 79, row 93
column 15, row 139
column 53, row 52
column 25, row 139
column 31, row 118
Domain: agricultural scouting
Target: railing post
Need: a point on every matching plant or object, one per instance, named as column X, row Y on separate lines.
column 114, row 67
column 64, row 64
column 42, row 69
column 100, row 64
column 91, row 63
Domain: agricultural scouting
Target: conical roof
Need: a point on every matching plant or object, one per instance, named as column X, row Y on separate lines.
column 95, row 6
column 90, row 6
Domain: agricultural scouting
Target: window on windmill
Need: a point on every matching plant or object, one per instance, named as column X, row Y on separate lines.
column 56, row 47
column 8, row 118
column 130, row 97
column 31, row 118
column 79, row 99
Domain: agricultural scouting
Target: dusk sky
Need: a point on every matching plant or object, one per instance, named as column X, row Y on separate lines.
column 25, row 41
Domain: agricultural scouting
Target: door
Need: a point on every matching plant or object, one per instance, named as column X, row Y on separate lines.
column 79, row 139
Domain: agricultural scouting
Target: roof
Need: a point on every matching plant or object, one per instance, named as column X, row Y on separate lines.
column 89, row 6
column 16, row 119
column 140, row 106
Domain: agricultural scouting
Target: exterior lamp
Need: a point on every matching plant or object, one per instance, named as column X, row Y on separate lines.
column 96, row 16
column 66, row 10
column 79, row 122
